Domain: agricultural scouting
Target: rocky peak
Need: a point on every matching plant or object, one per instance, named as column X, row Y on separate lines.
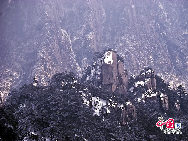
column 108, row 72
column 114, row 77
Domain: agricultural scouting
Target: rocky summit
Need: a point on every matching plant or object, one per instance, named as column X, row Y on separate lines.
column 108, row 71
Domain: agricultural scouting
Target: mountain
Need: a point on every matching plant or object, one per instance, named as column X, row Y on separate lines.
column 107, row 71
column 40, row 38
column 97, row 106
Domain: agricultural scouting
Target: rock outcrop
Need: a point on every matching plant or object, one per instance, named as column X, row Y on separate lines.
column 108, row 72
column 128, row 113
column 148, row 77
column 164, row 101
column 114, row 77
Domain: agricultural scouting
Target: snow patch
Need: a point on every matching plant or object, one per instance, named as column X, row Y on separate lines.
column 139, row 99
column 98, row 103
column 139, row 83
column 149, row 71
column 108, row 57
column 128, row 103
column 131, row 89
column 161, row 6
column 35, row 84
column 162, row 95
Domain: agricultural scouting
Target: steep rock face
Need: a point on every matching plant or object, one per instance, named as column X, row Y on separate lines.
column 148, row 33
column 108, row 72
column 114, row 77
